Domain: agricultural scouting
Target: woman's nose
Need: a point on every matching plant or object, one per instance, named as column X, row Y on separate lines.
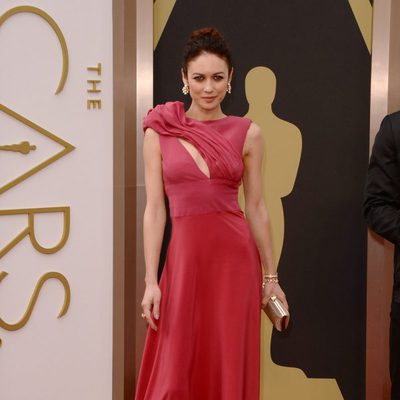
column 208, row 87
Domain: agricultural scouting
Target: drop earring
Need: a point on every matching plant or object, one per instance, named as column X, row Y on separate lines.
column 229, row 89
column 185, row 89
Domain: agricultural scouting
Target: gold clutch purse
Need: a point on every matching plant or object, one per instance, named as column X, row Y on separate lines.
column 277, row 313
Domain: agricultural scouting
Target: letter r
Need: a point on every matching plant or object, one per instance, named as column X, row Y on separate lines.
column 30, row 229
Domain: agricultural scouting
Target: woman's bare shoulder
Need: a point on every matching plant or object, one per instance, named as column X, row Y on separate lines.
column 151, row 140
column 254, row 138
column 151, row 135
column 254, row 131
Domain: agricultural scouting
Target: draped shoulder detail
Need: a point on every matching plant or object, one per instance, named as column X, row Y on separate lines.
column 221, row 156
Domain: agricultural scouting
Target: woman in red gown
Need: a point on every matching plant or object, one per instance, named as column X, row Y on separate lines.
column 203, row 338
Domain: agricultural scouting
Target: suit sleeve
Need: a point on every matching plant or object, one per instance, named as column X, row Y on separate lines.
column 382, row 190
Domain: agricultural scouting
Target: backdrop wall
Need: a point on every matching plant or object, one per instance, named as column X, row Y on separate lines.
column 56, row 200
column 313, row 81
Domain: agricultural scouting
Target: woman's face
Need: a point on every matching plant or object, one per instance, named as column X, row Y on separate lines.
column 207, row 78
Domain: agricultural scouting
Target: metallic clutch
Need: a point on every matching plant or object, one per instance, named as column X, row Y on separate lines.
column 277, row 313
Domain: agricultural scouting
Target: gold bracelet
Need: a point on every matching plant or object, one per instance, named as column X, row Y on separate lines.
column 269, row 278
column 271, row 275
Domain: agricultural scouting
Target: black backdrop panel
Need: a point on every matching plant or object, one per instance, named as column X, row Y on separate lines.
column 322, row 66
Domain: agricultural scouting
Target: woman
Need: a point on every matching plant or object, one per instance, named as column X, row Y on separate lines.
column 204, row 315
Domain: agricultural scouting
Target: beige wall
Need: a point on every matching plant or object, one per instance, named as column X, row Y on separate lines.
column 56, row 200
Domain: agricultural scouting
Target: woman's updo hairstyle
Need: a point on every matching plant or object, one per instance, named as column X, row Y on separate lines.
column 207, row 40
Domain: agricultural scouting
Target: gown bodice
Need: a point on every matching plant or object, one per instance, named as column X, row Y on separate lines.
column 220, row 144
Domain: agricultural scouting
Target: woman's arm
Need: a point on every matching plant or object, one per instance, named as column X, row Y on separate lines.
column 255, row 209
column 153, row 223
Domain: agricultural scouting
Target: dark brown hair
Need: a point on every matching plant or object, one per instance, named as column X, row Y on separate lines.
column 207, row 40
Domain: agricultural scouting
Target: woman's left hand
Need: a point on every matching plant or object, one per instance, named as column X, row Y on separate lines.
column 273, row 289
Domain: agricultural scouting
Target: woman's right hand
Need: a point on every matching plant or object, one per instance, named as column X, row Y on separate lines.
column 151, row 304
column 273, row 289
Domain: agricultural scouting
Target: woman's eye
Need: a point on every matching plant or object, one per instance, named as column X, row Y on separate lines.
column 198, row 78
column 218, row 78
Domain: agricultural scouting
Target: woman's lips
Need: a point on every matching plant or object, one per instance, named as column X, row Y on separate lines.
column 209, row 98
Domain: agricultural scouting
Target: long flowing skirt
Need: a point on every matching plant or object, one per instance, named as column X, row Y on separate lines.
column 207, row 346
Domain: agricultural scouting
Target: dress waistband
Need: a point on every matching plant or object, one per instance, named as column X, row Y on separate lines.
column 200, row 197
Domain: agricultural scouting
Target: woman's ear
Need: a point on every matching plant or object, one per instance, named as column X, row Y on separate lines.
column 184, row 78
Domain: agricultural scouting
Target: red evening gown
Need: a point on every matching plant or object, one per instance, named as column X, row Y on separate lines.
column 207, row 346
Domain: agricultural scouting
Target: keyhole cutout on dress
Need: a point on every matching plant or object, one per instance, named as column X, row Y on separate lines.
column 196, row 157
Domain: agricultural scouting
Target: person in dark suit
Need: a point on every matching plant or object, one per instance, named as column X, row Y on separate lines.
column 382, row 212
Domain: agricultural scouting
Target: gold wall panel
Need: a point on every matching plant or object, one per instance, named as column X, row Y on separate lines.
column 162, row 11
column 362, row 10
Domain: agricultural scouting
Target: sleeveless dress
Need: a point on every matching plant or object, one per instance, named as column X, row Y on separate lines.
column 207, row 346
